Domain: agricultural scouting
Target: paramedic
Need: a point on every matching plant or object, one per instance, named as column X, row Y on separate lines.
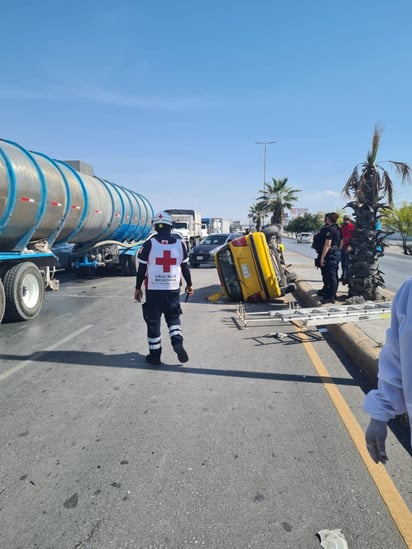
column 394, row 393
column 162, row 261
column 329, row 257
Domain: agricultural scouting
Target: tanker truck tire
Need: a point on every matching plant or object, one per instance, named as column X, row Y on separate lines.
column 132, row 265
column 124, row 265
column 2, row 301
column 24, row 290
column 128, row 265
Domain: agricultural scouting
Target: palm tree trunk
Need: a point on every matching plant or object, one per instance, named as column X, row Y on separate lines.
column 364, row 277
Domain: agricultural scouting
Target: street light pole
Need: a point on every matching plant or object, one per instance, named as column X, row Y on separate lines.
column 265, row 143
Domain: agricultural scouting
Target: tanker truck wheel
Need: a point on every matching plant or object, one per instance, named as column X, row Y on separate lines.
column 132, row 265
column 124, row 265
column 128, row 265
column 2, row 301
column 24, row 290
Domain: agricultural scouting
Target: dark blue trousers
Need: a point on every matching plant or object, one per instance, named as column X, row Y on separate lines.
column 158, row 302
column 330, row 274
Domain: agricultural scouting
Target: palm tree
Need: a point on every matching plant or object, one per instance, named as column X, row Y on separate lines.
column 276, row 198
column 368, row 190
column 256, row 215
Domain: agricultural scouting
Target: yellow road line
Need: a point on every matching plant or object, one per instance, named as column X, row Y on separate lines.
column 390, row 495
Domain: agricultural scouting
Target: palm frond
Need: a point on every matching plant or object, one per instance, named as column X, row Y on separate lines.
column 403, row 170
column 353, row 205
column 371, row 157
column 352, row 182
column 387, row 186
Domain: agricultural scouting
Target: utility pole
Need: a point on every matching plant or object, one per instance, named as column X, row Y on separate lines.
column 265, row 143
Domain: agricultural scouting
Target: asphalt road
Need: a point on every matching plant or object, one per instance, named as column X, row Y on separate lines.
column 241, row 447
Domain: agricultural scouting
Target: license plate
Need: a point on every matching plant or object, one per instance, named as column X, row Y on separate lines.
column 199, row 257
column 245, row 270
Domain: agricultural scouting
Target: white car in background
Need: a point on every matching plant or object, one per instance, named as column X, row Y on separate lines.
column 305, row 238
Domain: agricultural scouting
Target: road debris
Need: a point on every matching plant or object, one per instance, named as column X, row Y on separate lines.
column 332, row 539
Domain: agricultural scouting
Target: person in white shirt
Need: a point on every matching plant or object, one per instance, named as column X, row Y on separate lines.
column 394, row 393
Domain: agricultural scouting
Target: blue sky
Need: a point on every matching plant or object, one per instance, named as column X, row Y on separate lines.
column 168, row 97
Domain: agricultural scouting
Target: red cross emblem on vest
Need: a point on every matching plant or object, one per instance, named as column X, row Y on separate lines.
column 166, row 261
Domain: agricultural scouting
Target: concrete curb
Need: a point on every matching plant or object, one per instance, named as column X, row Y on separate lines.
column 361, row 349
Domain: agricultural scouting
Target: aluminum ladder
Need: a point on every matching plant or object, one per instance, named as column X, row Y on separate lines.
column 312, row 316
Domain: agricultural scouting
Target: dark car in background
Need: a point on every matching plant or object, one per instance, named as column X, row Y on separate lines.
column 204, row 252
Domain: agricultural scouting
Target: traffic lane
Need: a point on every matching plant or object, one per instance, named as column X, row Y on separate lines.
column 396, row 267
column 396, row 496
column 241, row 447
column 398, row 443
column 79, row 304
column 71, row 500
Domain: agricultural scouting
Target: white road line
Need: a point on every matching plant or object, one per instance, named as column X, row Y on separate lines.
column 22, row 365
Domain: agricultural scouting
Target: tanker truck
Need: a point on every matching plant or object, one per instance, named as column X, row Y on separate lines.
column 46, row 202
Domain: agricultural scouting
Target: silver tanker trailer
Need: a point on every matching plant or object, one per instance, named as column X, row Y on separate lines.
column 46, row 202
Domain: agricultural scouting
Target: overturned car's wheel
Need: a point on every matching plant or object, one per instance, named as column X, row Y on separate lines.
column 272, row 230
column 277, row 265
column 24, row 290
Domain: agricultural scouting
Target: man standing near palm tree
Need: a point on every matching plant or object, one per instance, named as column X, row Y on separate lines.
column 329, row 257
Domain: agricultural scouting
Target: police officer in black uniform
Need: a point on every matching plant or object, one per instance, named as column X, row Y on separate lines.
column 329, row 257
column 163, row 259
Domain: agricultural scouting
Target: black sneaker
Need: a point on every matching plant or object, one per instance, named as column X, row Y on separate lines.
column 181, row 353
column 320, row 292
column 328, row 300
column 155, row 360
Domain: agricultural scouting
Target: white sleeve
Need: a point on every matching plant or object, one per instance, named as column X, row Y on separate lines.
column 394, row 393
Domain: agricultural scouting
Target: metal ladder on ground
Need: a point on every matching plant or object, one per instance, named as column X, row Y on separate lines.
column 312, row 316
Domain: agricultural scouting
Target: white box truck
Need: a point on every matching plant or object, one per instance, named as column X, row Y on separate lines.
column 188, row 223
column 220, row 225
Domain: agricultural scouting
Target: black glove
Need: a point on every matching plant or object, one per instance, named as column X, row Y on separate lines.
column 375, row 437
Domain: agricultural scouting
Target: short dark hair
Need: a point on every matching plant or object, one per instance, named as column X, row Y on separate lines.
column 333, row 216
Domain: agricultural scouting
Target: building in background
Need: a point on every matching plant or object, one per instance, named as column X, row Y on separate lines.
column 293, row 213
